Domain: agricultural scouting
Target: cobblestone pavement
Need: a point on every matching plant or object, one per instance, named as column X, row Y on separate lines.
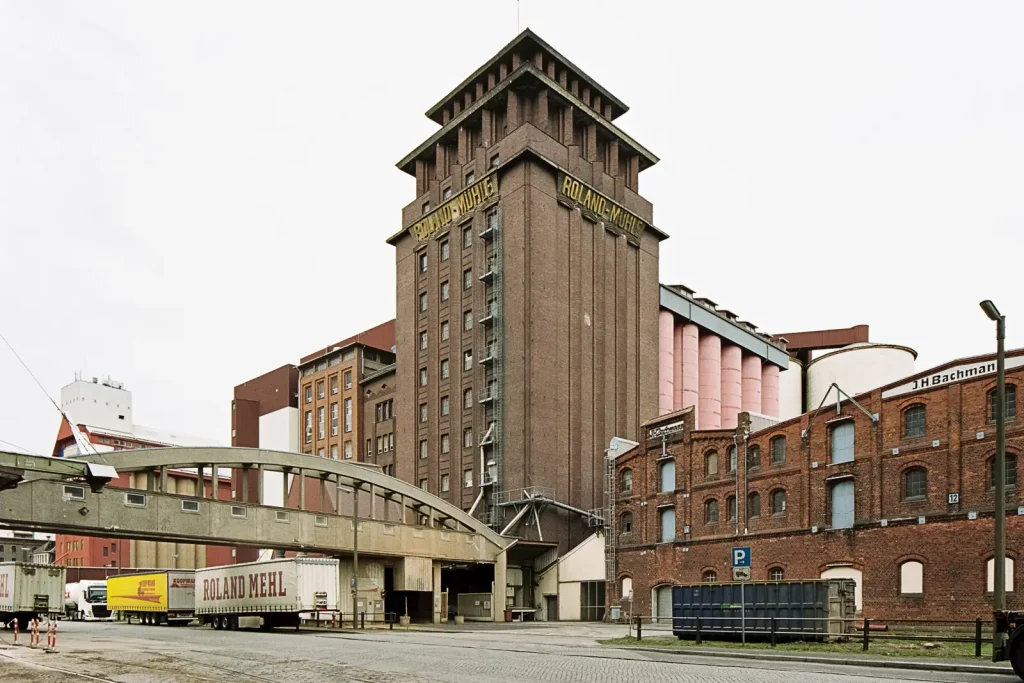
column 146, row 654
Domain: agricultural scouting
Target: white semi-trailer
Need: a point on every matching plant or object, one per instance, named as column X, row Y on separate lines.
column 87, row 601
column 266, row 594
column 30, row 591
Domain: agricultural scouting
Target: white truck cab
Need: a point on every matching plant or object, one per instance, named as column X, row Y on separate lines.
column 86, row 601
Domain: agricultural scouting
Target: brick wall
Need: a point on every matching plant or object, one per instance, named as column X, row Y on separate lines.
column 890, row 526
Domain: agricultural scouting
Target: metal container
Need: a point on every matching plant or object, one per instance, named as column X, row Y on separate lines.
column 28, row 591
column 801, row 609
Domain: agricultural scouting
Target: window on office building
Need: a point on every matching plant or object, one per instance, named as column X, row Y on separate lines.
column 467, row 437
column 467, row 237
column 444, row 483
column 423, row 302
column 348, row 415
column 467, row 360
column 444, row 369
column 423, row 262
column 444, row 291
column 467, row 399
column 467, row 278
column 446, row 445
column 444, row 250
column 467, row 478
column 423, row 448
column 445, row 406
column 348, row 379
column 334, row 419
column 320, row 389
column 423, row 377
column 423, row 412
column 423, row 340
column 467, row 320
column 444, row 330
column 334, row 384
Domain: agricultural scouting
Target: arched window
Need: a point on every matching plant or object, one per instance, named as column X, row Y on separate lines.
column 1011, row 403
column 732, row 459
column 915, row 483
column 778, row 502
column 627, row 588
column 711, row 512
column 626, row 481
column 754, row 505
column 730, row 504
column 913, row 421
column 911, row 578
column 667, row 472
column 1011, row 471
column 711, row 464
column 754, row 458
column 626, row 522
column 778, row 450
column 776, row 574
column 842, row 442
column 990, row 568
column 709, row 577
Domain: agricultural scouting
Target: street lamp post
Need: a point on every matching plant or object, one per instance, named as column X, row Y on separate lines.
column 999, row 476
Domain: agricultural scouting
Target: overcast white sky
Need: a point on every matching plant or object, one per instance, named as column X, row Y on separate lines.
column 172, row 172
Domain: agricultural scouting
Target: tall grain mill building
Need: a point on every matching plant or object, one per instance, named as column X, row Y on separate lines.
column 527, row 294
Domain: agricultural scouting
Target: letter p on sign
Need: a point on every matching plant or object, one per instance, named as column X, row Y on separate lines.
column 741, row 557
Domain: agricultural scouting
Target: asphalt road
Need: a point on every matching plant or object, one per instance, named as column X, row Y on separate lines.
column 147, row 654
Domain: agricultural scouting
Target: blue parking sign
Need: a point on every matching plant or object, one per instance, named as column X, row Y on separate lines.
column 741, row 557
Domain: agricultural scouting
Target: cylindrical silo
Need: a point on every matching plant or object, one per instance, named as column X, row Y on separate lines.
column 857, row 368
column 709, row 411
column 770, row 389
column 732, row 385
column 666, row 342
column 677, row 367
column 791, row 390
column 751, row 383
column 690, row 362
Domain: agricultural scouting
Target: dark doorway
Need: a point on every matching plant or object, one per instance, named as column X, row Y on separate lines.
column 458, row 579
column 551, row 603
column 592, row 601
column 418, row 605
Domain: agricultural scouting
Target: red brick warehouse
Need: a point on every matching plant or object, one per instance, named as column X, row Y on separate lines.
column 893, row 488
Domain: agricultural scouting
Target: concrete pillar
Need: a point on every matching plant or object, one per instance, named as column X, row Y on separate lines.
column 770, row 390
column 666, row 341
column 259, row 484
column 709, row 350
column 689, row 359
column 732, row 385
column 751, row 400
column 301, row 479
column 438, row 617
column 677, row 367
column 498, row 588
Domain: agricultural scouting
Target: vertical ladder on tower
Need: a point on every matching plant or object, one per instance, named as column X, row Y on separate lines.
column 491, row 359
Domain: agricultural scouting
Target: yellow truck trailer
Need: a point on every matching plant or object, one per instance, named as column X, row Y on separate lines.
column 167, row 597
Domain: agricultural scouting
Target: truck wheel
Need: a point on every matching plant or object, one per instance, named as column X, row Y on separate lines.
column 233, row 623
column 1017, row 659
column 217, row 623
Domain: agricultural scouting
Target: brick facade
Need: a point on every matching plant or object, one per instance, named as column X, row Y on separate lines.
column 894, row 520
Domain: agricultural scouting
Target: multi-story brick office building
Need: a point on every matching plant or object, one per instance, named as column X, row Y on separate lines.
column 324, row 406
column 893, row 488
column 527, row 288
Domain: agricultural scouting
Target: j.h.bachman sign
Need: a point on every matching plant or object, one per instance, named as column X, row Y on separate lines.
column 957, row 373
